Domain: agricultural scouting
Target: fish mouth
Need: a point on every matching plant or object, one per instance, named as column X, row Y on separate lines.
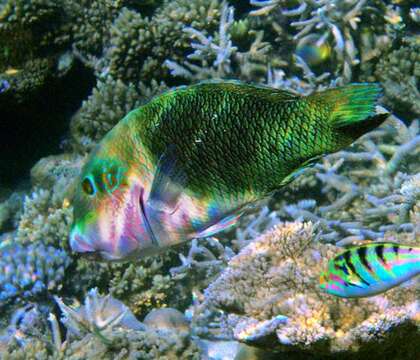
column 85, row 250
column 79, row 245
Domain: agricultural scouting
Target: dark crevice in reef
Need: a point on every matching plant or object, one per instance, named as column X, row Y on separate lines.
column 35, row 128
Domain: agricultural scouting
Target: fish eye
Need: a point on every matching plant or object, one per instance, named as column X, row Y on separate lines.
column 87, row 186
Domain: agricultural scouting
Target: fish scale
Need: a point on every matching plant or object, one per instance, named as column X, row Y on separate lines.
column 211, row 150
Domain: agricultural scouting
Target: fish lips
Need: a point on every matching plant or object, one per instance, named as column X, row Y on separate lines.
column 91, row 248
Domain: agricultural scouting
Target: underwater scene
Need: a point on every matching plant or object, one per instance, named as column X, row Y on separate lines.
column 209, row 179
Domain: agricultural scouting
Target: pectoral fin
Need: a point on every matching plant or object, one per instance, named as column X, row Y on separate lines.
column 169, row 182
column 223, row 224
column 297, row 172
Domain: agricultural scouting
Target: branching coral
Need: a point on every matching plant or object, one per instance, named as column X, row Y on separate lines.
column 102, row 328
column 205, row 258
column 44, row 221
column 216, row 56
column 30, row 271
column 143, row 286
column 278, row 273
column 90, row 27
column 110, row 101
column 147, row 345
column 367, row 200
column 10, row 211
column 138, row 45
column 33, row 37
column 107, row 328
column 399, row 72
column 320, row 25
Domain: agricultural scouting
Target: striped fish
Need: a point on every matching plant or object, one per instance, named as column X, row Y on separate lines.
column 370, row 269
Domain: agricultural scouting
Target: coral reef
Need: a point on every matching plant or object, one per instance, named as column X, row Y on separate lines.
column 33, row 37
column 103, row 328
column 44, row 220
column 334, row 33
column 261, row 289
column 90, row 26
column 98, row 314
column 399, row 72
column 31, row 271
column 215, row 56
column 278, row 274
column 110, row 101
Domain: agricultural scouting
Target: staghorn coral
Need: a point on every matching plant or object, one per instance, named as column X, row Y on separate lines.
column 31, row 271
column 364, row 189
column 287, row 260
column 330, row 24
column 216, row 56
column 205, row 259
column 147, row 285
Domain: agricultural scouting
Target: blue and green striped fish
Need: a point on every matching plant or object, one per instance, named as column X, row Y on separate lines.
column 370, row 269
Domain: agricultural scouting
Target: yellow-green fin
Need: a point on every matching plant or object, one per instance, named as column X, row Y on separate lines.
column 350, row 104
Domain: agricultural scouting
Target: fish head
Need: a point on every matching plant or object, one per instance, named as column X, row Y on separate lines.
column 332, row 284
column 108, row 220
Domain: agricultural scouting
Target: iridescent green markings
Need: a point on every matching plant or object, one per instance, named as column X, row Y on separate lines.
column 370, row 269
column 190, row 162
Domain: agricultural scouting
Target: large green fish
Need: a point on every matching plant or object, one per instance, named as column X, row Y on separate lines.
column 187, row 164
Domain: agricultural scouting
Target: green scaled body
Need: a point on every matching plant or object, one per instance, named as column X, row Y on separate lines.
column 188, row 163
column 233, row 138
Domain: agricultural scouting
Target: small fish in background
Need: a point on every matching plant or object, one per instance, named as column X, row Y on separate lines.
column 191, row 161
column 370, row 269
column 313, row 49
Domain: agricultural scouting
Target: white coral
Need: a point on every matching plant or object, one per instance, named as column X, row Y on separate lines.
column 98, row 314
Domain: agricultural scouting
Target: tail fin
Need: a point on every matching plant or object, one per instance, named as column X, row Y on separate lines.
column 350, row 104
column 352, row 107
